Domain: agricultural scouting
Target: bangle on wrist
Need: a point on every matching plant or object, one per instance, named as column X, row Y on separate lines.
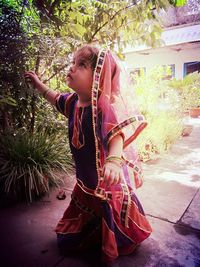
column 114, row 162
column 45, row 92
column 115, row 159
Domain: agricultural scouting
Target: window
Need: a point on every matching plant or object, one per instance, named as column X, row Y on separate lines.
column 190, row 67
column 168, row 71
column 135, row 72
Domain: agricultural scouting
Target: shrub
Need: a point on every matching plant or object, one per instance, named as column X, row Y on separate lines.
column 48, row 118
column 162, row 131
column 159, row 105
column 188, row 90
column 31, row 163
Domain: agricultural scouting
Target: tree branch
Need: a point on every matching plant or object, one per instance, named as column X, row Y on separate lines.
column 55, row 73
column 102, row 26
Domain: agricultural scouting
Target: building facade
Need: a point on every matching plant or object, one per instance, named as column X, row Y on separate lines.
column 180, row 49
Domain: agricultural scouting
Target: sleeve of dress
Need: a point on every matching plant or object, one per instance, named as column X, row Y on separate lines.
column 63, row 103
column 109, row 122
column 114, row 124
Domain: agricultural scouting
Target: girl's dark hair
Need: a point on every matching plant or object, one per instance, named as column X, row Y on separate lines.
column 89, row 54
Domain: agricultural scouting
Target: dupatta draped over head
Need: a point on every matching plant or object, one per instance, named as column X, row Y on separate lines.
column 114, row 111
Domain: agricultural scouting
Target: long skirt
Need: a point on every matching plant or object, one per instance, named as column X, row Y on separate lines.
column 90, row 222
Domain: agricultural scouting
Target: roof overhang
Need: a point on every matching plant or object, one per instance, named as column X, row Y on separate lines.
column 173, row 36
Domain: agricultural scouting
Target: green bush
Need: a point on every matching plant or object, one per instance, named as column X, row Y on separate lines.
column 188, row 90
column 31, row 163
column 48, row 118
column 159, row 105
column 162, row 131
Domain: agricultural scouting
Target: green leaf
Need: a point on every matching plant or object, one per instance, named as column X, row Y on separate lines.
column 9, row 101
column 181, row 2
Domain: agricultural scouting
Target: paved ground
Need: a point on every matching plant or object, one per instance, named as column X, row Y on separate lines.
column 170, row 196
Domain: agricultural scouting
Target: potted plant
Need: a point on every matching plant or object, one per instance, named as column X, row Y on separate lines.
column 188, row 94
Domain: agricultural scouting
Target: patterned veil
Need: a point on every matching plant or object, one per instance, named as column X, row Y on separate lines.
column 114, row 111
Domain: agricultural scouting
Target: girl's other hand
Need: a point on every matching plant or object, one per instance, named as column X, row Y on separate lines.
column 112, row 173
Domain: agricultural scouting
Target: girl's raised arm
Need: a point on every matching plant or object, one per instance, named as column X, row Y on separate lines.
column 50, row 95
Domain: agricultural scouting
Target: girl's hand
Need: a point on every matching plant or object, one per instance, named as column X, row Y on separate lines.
column 32, row 76
column 112, row 173
column 48, row 94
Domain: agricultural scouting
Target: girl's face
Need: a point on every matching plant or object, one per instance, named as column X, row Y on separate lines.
column 80, row 76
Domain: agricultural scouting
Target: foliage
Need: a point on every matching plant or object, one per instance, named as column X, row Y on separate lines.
column 103, row 20
column 40, row 35
column 161, row 133
column 13, row 57
column 31, row 163
column 51, row 120
column 158, row 105
column 188, row 90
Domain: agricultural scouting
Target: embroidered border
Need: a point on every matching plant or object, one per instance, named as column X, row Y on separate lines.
column 133, row 120
column 81, row 206
column 125, row 205
column 100, row 192
column 94, row 98
column 77, row 131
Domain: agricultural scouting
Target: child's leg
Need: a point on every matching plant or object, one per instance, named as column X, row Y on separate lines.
column 80, row 227
column 89, row 237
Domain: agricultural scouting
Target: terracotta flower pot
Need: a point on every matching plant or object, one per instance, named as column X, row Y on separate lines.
column 195, row 112
column 187, row 129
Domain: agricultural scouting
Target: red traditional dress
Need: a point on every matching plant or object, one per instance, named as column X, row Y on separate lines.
column 109, row 216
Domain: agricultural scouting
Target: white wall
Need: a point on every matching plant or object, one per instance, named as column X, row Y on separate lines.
column 164, row 56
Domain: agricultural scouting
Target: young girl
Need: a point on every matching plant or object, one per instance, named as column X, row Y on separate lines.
column 103, row 210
